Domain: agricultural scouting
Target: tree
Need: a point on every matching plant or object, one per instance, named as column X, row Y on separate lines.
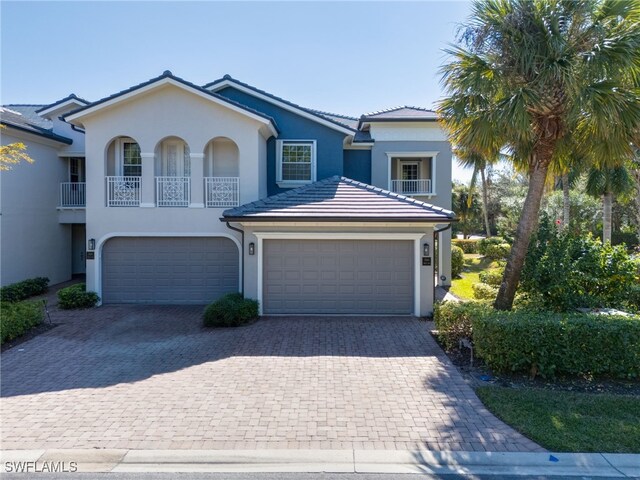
column 12, row 154
column 609, row 183
column 479, row 162
column 538, row 78
column 467, row 212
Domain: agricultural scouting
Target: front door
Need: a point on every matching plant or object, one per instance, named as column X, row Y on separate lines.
column 76, row 170
column 78, row 251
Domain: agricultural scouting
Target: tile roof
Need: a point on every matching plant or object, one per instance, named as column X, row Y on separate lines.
column 339, row 199
column 71, row 96
column 400, row 114
column 340, row 120
column 11, row 116
column 168, row 74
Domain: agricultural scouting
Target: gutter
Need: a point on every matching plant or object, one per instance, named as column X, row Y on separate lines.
column 241, row 253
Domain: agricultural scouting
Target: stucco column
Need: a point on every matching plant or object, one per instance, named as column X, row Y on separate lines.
column 148, row 187
column 444, row 258
column 197, row 180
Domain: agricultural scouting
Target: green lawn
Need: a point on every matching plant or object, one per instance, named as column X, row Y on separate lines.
column 473, row 265
column 567, row 421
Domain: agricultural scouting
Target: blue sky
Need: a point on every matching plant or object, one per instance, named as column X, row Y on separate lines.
column 344, row 57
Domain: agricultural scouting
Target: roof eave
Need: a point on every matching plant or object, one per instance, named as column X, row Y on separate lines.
column 338, row 219
column 43, row 134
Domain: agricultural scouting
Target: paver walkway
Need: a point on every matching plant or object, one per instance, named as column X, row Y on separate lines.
column 143, row 377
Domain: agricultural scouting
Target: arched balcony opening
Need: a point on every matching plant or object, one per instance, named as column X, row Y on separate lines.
column 123, row 164
column 172, row 165
column 222, row 172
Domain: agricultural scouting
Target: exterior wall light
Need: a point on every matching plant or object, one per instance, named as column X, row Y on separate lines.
column 425, row 250
column 252, row 248
column 92, row 244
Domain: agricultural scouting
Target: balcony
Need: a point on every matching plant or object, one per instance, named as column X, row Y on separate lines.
column 123, row 191
column 221, row 192
column 173, row 191
column 72, row 195
column 412, row 187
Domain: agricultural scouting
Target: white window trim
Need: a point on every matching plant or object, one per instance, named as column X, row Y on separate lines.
column 294, row 183
column 120, row 143
column 400, row 155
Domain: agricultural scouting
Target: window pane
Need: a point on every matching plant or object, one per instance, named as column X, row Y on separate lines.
column 296, row 162
column 131, row 161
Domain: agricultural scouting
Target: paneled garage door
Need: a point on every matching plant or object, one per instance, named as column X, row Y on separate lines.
column 338, row 277
column 168, row 270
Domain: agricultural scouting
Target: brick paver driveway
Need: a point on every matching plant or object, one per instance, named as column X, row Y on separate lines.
column 151, row 377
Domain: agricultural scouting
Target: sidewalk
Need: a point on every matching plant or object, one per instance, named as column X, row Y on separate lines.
column 329, row 461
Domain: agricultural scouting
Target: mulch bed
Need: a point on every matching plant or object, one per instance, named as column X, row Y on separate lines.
column 481, row 375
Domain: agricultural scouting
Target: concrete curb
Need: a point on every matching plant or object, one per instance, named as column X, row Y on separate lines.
column 331, row 461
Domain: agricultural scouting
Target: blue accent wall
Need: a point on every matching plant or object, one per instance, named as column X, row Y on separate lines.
column 357, row 165
column 329, row 155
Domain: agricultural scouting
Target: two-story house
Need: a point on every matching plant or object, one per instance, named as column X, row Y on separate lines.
column 191, row 192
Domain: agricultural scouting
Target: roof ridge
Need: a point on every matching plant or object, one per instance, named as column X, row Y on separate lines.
column 399, row 107
column 71, row 96
column 275, row 97
column 340, row 115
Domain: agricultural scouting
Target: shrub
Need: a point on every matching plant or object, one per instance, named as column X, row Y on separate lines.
column 17, row 318
column 551, row 344
column 467, row 245
column 485, row 242
column 565, row 270
column 76, row 296
column 453, row 320
column 633, row 301
column 231, row 310
column 497, row 251
column 24, row 289
column 457, row 261
column 492, row 277
column 482, row 291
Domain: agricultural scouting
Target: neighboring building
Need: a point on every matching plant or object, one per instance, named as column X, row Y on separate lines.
column 193, row 192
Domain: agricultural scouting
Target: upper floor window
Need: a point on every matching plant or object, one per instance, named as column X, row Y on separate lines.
column 130, row 164
column 296, row 162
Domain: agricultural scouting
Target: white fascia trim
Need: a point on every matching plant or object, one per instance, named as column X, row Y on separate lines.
column 170, row 81
column 266, row 98
column 61, row 107
column 415, row 237
column 341, row 224
column 102, row 240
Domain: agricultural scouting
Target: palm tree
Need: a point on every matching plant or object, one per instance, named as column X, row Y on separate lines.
column 535, row 77
column 469, row 158
column 609, row 183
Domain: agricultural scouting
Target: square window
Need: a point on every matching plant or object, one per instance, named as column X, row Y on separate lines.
column 296, row 162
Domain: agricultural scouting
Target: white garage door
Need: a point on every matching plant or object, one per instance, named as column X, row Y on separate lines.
column 168, row 270
column 338, row 277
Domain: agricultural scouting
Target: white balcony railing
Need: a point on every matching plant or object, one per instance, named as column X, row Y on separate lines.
column 123, row 191
column 173, row 191
column 72, row 194
column 222, row 191
column 412, row 187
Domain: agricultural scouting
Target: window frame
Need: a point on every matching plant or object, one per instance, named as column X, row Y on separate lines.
column 121, row 157
column 279, row 152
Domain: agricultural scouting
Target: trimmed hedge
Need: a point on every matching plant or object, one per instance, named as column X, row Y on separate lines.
column 457, row 261
column 453, row 320
column 76, row 296
column 482, row 291
column 498, row 252
column 550, row 344
column 231, row 310
column 18, row 318
column 483, row 243
column 19, row 291
column 468, row 245
column 492, row 277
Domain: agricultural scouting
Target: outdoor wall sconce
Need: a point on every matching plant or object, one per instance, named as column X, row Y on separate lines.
column 252, row 248
column 425, row 250
column 92, row 244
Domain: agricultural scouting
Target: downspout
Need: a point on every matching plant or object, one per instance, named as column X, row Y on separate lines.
column 435, row 234
column 241, row 253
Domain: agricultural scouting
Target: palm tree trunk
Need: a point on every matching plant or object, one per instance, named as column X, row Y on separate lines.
column 566, row 201
column 607, row 203
column 636, row 176
column 485, row 203
column 526, row 225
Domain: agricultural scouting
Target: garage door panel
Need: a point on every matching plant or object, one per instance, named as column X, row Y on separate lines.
column 338, row 276
column 168, row 270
